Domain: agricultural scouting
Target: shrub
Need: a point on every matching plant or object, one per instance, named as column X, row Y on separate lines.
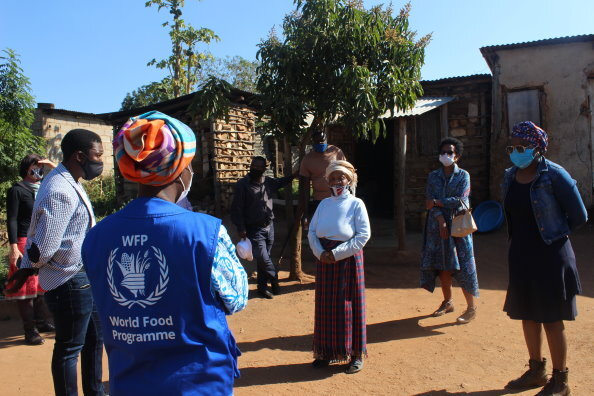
column 102, row 193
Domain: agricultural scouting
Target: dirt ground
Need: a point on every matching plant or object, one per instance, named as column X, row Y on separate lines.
column 410, row 353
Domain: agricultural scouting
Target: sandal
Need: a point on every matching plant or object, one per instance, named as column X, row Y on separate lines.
column 444, row 308
column 355, row 366
column 467, row 316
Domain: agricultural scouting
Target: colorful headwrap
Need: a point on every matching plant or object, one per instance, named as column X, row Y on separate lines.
column 529, row 131
column 154, row 148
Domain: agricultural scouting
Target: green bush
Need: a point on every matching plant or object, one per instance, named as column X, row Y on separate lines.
column 294, row 187
column 102, row 193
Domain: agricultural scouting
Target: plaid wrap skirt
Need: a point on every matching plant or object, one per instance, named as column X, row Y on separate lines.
column 339, row 330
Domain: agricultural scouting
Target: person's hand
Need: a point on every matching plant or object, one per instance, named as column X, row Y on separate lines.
column 243, row 234
column 327, row 257
column 443, row 229
column 14, row 254
column 47, row 163
column 18, row 279
column 429, row 204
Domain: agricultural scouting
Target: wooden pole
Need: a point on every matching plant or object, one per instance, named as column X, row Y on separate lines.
column 399, row 182
column 288, row 168
column 215, row 179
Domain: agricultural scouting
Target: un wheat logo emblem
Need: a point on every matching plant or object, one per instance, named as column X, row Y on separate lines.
column 133, row 268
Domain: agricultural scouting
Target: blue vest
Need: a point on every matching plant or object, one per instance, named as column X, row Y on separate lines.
column 165, row 334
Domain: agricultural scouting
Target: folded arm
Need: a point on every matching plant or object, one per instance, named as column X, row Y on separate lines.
column 362, row 235
column 51, row 218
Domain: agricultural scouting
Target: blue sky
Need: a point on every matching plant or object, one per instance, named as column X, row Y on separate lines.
column 86, row 55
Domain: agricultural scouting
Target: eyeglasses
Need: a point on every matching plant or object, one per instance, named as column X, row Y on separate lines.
column 447, row 152
column 519, row 148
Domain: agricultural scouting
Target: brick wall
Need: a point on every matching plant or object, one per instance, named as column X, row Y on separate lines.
column 52, row 125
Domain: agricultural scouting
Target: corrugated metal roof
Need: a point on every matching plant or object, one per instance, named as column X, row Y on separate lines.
column 422, row 105
column 549, row 41
column 470, row 77
column 490, row 52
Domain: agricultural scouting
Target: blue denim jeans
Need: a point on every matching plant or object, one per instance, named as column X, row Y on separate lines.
column 262, row 239
column 77, row 331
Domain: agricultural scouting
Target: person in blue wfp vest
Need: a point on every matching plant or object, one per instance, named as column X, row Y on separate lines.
column 163, row 277
column 542, row 206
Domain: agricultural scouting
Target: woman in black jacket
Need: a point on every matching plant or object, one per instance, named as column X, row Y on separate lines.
column 20, row 200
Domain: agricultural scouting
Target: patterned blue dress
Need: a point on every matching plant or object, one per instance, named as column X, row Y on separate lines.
column 454, row 254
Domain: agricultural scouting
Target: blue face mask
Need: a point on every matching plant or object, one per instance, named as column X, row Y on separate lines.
column 522, row 160
column 320, row 147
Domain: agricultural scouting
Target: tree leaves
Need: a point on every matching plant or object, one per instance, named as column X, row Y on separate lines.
column 185, row 60
column 17, row 107
column 340, row 63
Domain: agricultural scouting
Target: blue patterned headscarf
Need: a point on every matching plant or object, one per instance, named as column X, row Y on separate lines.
column 532, row 133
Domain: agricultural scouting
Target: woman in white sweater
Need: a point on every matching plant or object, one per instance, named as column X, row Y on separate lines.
column 338, row 231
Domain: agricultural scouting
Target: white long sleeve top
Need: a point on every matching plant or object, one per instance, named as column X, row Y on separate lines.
column 342, row 218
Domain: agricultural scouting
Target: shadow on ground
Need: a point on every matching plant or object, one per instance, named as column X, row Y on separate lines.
column 376, row 333
column 443, row 392
column 288, row 373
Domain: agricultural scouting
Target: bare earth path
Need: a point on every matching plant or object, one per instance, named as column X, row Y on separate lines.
column 409, row 352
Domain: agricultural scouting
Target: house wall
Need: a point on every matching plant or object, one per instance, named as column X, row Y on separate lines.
column 53, row 125
column 466, row 118
column 469, row 120
column 561, row 74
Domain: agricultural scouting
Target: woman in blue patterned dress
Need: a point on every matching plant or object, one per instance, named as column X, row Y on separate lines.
column 444, row 256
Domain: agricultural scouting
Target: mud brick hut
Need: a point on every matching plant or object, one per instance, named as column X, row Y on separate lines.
column 459, row 107
column 224, row 149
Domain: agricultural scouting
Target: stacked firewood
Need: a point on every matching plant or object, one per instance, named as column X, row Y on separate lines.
column 233, row 148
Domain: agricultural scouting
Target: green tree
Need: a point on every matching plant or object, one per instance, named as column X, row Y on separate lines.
column 148, row 94
column 185, row 60
column 337, row 63
column 241, row 73
column 17, row 111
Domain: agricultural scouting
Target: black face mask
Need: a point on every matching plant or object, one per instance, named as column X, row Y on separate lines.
column 256, row 174
column 92, row 169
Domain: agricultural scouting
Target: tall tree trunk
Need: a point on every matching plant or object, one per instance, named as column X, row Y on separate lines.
column 399, row 182
column 177, row 47
column 288, row 165
column 296, row 272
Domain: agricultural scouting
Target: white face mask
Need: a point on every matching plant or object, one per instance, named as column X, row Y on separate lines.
column 446, row 160
column 338, row 190
column 184, row 193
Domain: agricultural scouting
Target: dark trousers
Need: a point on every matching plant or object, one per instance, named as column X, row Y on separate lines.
column 262, row 239
column 34, row 312
column 77, row 331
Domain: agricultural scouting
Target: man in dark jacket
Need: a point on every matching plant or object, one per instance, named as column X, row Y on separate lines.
column 251, row 212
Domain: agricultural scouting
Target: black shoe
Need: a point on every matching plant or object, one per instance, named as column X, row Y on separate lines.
column 46, row 328
column 32, row 337
column 320, row 363
column 265, row 294
column 275, row 289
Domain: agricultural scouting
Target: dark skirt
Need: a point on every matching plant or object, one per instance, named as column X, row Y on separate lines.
column 543, row 279
column 339, row 328
column 543, row 282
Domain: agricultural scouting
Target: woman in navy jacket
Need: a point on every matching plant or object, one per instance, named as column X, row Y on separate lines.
column 542, row 205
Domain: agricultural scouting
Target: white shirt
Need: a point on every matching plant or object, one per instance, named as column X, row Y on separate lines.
column 342, row 218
